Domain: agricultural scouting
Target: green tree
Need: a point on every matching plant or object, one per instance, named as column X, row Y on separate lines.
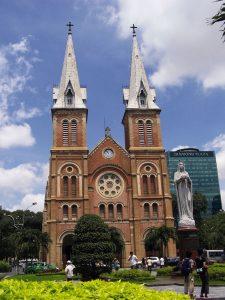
column 158, row 238
column 24, row 240
column 212, row 232
column 92, row 248
column 220, row 17
column 29, row 242
column 199, row 207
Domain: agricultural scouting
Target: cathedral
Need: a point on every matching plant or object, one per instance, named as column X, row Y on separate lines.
column 127, row 187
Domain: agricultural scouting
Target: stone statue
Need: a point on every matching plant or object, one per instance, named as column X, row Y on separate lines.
column 183, row 186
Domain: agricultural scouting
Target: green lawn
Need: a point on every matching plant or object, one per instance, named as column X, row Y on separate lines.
column 34, row 277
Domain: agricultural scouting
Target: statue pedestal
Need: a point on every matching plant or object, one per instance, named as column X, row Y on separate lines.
column 188, row 241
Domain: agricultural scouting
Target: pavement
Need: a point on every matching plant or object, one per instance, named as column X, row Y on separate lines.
column 176, row 284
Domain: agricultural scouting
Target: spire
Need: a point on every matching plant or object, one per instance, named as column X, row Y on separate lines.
column 139, row 94
column 69, row 94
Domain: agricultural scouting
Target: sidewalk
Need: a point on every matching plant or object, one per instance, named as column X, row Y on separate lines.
column 177, row 284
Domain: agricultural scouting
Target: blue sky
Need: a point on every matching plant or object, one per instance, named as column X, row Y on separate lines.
column 183, row 56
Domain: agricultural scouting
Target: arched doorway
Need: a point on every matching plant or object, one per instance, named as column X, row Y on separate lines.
column 67, row 248
column 118, row 242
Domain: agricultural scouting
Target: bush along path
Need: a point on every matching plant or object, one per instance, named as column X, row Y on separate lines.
column 16, row 290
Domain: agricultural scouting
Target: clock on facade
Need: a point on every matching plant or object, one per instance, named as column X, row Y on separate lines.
column 108, row 153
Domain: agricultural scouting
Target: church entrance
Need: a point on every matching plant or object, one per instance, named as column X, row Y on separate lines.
column 119, row 244
column 67, row 248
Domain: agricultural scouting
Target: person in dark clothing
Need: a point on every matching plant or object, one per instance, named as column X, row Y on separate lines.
column 202, row 270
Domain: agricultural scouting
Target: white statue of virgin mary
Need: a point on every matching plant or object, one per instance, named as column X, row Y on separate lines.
column 183, row 186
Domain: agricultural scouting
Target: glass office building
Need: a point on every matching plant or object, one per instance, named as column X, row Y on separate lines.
column 202, row 168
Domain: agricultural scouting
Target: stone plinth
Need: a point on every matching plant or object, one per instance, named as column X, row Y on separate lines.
column 188, row 241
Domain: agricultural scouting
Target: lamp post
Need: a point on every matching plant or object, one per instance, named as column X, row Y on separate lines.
column 19, row 225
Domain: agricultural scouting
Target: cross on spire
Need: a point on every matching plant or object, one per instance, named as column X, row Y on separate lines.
column 134, row 27
column 69, row 25
column 107, row 131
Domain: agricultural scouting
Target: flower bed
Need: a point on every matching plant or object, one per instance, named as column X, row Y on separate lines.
column 16, row 290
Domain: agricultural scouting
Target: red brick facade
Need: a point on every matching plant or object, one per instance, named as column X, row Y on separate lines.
column 128, row 187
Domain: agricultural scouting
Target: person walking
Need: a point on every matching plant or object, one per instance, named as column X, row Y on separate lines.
column 162, row 262
column 149, row 264
column 133, row 260
column 202, row 271
column 143, row 262
column 69, row 270
column 187, row 267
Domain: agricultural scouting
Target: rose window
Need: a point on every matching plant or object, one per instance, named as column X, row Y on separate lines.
column 110, row 185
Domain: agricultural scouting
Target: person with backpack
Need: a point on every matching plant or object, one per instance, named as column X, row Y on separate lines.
column 202, row 271
column 187, row 267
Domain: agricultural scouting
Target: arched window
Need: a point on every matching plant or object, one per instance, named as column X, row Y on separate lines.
column 142, row 98
column 145, row 184
column 111, row 211
column 73, row 186
column 155, row 210
column 65, row 132
column 153, row 184
column 141, row 132
column 65, row 212
column 149, row 132
column 119, row 211
column 65, row 186
column 74, row 132
column 69, row 97
column 102, row 211
column 146, row 211
column 74, row 211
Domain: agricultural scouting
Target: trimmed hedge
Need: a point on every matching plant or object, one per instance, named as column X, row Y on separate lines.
column 4, row 266
column 166, row 271
column 18, row 290
column 216, row 271
column 130, row 275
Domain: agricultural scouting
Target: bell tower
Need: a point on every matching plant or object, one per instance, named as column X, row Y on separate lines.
column 151, row 199
column 66, row 192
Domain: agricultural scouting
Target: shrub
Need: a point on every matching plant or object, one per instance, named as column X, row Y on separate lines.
column 216, row 272
column 13, row 290
column 92, row 248
column 130, row 275
column 166, row 271
column 4, row 266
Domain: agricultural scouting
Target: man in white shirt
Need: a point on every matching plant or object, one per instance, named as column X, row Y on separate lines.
column 149, row 263
column 69, row 270
column 162, row 262
column 133, row 260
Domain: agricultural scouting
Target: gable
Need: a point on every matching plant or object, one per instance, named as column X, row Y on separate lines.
column 108, row 154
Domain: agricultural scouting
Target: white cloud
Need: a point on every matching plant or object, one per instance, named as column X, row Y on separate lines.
column 16, row 63
column 218, row 145
column 23, row 114
column 222, row 192
column 176, row 38
column 21, row 47
column 28, row 201
column 23, row 179
column 23, row 185
column 180, row 147
column 16, row 136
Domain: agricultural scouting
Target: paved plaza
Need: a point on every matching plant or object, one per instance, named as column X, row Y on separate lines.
column 217, row 292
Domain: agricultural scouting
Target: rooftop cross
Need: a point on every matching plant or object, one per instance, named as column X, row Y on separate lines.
column 107, row 131
column 134, row 27
column 69, row 25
